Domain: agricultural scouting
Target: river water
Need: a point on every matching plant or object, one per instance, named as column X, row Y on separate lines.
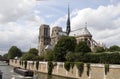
column 9, row 74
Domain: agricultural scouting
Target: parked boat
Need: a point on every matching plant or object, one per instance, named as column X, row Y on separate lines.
column 23, row 72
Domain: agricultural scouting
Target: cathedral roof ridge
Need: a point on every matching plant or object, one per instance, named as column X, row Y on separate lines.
column 80, row 32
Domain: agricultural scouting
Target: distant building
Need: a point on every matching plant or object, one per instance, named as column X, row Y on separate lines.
column 47, row 42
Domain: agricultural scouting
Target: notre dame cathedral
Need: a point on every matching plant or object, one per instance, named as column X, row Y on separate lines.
column 47, row 41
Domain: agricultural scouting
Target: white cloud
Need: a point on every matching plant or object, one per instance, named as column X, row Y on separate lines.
column 12, row 12
column 49, row 16
column 19, row 24
column 100, row 18
column 59, row 21
column 103, row 23
column 23, row 36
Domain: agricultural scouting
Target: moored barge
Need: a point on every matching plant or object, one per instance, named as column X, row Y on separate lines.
column 23, row 72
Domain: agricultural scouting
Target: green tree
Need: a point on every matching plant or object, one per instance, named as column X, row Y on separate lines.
column 100, row 49
column 114, row 48
column 33, row 51
column 64, row 45
column 14, row 52
column 83, row 47
column 80, row 67
column 32, row 54
column 28, row 56
column 74, row 57
column 5, row 55
column 50, row 67
column 49, row 56
column 67, row 66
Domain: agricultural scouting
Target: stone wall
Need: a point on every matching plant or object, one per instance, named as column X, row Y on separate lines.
column 96, row 72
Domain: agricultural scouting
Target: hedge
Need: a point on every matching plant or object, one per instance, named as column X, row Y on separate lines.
column 111, row 58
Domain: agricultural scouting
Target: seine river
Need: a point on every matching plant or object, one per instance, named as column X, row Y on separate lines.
column 9, row 74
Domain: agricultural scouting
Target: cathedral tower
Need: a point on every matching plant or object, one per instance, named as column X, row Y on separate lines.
column 44, row 38
column 55, row 36
column 68, row 29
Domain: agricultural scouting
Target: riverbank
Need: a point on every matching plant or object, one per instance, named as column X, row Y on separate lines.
column 97, row 71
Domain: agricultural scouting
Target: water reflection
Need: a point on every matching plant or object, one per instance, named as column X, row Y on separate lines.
column 40, row 76
column 45, row 76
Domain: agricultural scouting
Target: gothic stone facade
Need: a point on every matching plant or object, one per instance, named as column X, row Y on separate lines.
column 45, row 39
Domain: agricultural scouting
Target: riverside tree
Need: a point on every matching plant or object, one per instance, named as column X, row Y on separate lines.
column 64, row 45
column 32, row 54
column 82, row 47
column 5, row 55
column 14, row 52
column 114, row 48
column 100, row 49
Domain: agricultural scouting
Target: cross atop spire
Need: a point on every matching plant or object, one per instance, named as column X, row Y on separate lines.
column 68, row 29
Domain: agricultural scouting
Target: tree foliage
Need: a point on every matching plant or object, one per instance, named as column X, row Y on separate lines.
column 49, row 56
column 28, row 56
column 14, row 52
column 64, row 45
column 74, row 57
column 33, row 51
column 100, row 49
column 32, row 54
column 80, row 67
column 50, row 67
column 112, row 58
column 37, row 65
column 83, row 47
column 114, row 48
column 106, row 68
column 67, row 66
column 5, row 55
column 25, row 64
column 88, row 68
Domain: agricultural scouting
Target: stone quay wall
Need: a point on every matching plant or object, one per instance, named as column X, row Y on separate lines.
column 97, row 71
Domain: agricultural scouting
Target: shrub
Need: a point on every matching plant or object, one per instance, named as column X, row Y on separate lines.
column 50, row 67
column 72, row 65
column 74, row 57
column 91, row 58
column 67, row 66
column 112, row 58
column 88, row 69
column 25, row 64
column 20, row 62
column 106, row 66
column 80, row 67
column 37, row 65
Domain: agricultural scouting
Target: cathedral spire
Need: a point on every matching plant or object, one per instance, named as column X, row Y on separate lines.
column 68, row 29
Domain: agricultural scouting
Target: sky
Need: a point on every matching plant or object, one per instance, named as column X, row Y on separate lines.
column 20, row 20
